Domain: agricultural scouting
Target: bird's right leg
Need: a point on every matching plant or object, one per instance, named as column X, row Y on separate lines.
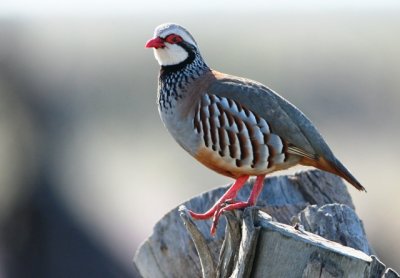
column 257, row 188
column 229, row 195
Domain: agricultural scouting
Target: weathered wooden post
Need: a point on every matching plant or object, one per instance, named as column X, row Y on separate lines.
column 305, row 226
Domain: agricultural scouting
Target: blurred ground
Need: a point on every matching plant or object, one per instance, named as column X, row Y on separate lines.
column 79, row 126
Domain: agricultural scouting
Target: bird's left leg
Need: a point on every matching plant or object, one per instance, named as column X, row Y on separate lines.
column 230, row 194
column 251, row 201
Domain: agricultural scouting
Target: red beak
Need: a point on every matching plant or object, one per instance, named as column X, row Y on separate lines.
column 155, row 43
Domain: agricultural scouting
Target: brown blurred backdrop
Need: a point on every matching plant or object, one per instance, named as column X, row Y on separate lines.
column 86, row 166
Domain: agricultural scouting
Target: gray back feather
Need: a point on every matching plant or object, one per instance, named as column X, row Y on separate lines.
column 285, row 119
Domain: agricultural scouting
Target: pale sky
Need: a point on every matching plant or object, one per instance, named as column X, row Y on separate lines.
column 118, row 7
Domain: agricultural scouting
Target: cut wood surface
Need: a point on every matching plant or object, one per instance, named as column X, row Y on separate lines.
column 304, row 226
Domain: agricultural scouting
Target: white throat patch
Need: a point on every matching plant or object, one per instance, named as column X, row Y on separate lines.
column 171, row 54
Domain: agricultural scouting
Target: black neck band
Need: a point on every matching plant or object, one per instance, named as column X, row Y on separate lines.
column 181, row 65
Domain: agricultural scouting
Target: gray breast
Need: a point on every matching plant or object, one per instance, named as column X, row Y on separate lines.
column 181, row 128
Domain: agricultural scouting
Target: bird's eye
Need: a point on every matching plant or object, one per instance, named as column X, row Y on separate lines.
column 173, row 39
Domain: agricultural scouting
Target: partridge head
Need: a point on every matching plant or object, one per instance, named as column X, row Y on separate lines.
column 235, row 126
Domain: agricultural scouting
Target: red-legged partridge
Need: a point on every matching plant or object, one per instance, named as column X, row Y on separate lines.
column 235, row 126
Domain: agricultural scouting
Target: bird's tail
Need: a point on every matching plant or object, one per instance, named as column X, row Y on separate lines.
column 335, row 167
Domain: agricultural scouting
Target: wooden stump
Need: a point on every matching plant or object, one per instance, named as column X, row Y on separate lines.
column 304, row 226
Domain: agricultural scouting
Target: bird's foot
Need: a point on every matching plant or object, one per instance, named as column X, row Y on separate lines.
column 229, row 205
column 211, row 212
column 227, row 201
column 216, row 211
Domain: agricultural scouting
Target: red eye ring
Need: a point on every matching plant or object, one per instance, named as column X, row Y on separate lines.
column 173, row 39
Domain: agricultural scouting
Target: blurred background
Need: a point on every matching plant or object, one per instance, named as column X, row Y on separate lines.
column 86, row 166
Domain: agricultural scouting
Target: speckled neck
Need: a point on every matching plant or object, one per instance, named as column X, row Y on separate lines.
column 174, row 79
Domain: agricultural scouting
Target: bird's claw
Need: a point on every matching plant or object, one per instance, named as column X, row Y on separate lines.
column 226, row 206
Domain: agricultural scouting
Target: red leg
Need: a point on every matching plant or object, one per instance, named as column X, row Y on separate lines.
column 255, row 192
column 229, row 194
column 257, row 188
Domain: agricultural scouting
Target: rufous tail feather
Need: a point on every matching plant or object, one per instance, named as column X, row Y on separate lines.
column 334, row 168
